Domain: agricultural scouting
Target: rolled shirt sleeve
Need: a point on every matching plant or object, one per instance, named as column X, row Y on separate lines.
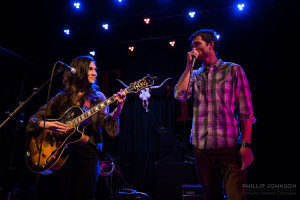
column 183, row 95
column 243, row 101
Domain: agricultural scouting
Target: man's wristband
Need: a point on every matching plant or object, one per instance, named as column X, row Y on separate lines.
column 246, row 144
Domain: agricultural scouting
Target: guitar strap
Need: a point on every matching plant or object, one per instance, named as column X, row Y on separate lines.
column 87, row 104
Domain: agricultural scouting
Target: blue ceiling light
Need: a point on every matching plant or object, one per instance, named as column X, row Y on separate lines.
column 76, row 5
column 192, row 14
column 105, row 26
column 241, row 6
column 92, row 53
column 67, row 31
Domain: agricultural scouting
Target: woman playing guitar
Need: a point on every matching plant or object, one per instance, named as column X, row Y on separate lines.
column 74, row 175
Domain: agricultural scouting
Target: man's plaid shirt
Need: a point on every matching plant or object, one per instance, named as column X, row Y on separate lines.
column 222, row 97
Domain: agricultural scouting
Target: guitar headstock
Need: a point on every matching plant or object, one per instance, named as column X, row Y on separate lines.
column 141, row 84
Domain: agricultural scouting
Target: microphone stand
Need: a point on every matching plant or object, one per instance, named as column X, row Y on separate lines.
column 15, row 114
column 24, row 103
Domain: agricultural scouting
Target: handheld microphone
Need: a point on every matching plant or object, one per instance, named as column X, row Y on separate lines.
column 67, row 67
column 193, row 62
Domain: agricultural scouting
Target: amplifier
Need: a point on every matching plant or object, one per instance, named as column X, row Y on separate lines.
column 192, row 192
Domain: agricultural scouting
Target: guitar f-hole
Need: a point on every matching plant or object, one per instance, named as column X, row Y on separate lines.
column 53, row 152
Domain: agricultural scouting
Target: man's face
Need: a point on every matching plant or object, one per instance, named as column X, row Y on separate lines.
column 201, row 46
column 92, row 73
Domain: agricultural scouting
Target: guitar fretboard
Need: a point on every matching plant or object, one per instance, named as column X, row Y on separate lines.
column 78, row 120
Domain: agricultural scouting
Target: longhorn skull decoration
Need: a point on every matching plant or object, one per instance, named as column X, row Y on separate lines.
column 145, row 94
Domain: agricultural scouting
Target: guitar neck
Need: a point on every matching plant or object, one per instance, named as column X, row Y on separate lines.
column 79, row 119
column 132, row 88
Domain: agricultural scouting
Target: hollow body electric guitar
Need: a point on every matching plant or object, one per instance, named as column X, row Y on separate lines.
column 48, row 151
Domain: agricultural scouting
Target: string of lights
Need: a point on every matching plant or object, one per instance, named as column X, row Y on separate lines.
column 192, row 14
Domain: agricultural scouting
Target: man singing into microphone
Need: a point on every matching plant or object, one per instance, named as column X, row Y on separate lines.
column 78, row 176
column 222, row 118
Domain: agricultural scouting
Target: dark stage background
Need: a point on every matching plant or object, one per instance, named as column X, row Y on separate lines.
column 263, row 40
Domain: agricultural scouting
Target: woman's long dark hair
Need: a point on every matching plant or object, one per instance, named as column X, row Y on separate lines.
column 72, row 82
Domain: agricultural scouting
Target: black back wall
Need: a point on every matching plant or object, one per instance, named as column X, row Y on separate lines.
column 263, row 43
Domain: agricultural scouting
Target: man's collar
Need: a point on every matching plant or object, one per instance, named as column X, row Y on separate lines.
column 218, row 64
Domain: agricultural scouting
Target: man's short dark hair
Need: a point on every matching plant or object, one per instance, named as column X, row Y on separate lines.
column 207, row 35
